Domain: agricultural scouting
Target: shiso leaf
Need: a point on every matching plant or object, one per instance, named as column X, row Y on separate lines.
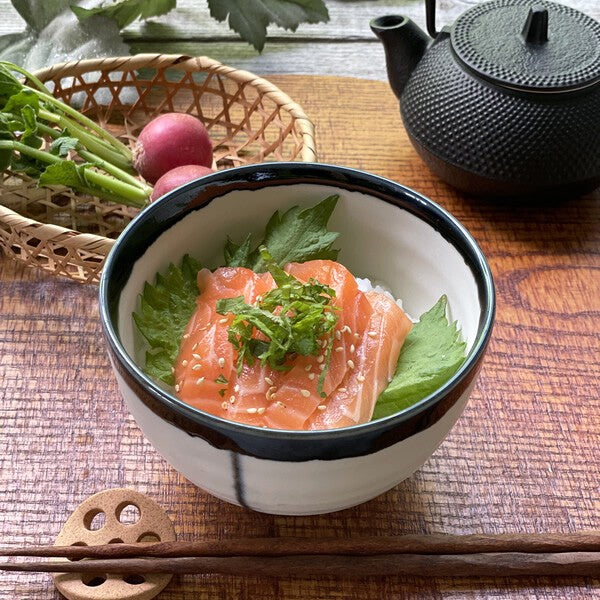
column 432, row 352
column 164, row 311
column 298, row 235
column 237, row 256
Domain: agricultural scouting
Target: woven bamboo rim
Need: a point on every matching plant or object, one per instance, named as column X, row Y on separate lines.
column 67, row 251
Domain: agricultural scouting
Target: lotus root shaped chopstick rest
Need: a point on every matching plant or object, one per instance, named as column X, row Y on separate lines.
column 111, row 517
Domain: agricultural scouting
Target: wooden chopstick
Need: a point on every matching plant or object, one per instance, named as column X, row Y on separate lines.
column 585, row 541
column 494, row 564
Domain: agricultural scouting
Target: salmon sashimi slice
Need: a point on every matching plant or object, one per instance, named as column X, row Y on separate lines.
column 367, row 339
column 375, row 361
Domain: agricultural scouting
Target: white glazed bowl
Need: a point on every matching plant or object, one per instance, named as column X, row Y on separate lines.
column 388, row 233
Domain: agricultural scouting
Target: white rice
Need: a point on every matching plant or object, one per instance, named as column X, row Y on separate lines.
column 366, row 285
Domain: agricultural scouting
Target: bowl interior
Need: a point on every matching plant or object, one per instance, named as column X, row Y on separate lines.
column 407, row 248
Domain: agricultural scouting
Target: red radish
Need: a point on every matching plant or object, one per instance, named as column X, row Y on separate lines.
column 171, row 140
column 176, row 177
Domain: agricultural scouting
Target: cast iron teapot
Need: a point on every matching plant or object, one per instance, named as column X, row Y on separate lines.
column 506, row 101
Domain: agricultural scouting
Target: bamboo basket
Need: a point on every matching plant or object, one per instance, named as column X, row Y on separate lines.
column 249, row 121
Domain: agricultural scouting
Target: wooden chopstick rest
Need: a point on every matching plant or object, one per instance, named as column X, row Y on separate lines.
column 111, row 517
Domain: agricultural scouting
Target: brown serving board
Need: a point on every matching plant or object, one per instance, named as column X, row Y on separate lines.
column 523, row 457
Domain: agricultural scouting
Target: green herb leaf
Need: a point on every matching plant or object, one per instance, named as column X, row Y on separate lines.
column 64, row 173
column 63, row 145
column 24, row 98
column 237, row 256
column 159, row 364
column 294, row 317
column 9, row 84
column 250, row 18
column 165, row 309
column 295, row 236
column 24, row 164
column 432, row 352
column 125, row 12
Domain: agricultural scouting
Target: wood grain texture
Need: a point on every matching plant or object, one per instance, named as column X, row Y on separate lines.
column 522, row 458
column 344, row 45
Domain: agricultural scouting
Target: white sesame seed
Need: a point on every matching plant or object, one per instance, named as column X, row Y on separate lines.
column 352, row 348
column 236, row 387
column 372, row 334
column 342, row 389
column 357, row 336
column 339, row 349
column 194, row 346
column 311, row 376
column 184, row 363
column 273, row 389
column 350, row 364
column 269, row 380
column 252, row 411
column 390, row 379
column 261, row 410
column 320, row 358
column 360, row 378
column 259, row 298
column 223, row 321
column 321, row 407
column 176, row 387
column 308, row 367
column 196, row 367
column 345, row 329
column 232, row 400
column 322, row 367
column 172, row 370
column 200, row 380
column 221, row 362
column 280, row 404
column 338, row 335
column 186, row 336
column 224, row 406
column 305, row 393
column 196, row 356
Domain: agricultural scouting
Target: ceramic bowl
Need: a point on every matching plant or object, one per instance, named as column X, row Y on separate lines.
column 388, row 233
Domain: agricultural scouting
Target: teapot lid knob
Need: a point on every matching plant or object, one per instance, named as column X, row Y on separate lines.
column 536, row 26
column 533, row 45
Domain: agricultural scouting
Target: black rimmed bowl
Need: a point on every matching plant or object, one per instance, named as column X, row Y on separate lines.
column 388, row 233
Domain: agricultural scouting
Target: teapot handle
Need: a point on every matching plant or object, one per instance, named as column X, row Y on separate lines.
column 430, row 17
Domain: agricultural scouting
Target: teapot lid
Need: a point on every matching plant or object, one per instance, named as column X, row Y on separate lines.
column 537, row 46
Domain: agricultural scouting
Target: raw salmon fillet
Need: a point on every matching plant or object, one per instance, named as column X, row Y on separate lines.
column 369, row 334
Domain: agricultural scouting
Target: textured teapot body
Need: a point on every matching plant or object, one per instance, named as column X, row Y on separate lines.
column 491, row 140
column 512, row 117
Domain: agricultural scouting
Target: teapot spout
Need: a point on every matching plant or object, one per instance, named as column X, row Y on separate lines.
column 404, row 44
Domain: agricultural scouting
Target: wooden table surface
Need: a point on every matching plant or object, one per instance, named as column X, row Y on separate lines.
column 343, row 46
column 522, row 458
